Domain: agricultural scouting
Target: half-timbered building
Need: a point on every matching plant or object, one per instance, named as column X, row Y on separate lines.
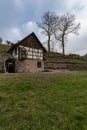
column 26, row 56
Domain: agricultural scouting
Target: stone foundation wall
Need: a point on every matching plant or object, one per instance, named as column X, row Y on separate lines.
column 28, row 66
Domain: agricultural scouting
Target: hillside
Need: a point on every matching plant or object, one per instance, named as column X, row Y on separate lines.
column 3, row 51
column 57, row 57
column 60, row 61
column 3, row 55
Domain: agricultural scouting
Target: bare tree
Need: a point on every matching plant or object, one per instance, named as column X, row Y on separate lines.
column 66, row 26
column 48, row 25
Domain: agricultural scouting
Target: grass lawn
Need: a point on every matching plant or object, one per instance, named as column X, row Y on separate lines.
column 43, row 101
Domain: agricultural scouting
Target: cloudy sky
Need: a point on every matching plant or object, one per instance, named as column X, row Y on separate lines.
column 18, row 18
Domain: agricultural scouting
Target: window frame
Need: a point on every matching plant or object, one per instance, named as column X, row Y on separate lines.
column 39, row 64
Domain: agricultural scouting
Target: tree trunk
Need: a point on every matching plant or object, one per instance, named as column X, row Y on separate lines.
column 48, row 43
column 63, row 45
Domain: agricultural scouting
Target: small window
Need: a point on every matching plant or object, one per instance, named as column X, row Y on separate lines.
column 23, row 54
column 38, row 64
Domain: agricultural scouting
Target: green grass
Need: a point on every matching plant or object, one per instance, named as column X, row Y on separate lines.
column 43, row 101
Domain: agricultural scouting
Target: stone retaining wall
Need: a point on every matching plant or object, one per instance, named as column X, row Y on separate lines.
column 71, row 66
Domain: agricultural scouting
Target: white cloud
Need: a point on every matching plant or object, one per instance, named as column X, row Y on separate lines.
column 19, row 4
column 17, row 33
column 13, row 34
column 29, row 27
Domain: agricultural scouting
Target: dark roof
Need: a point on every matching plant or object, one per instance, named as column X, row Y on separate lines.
column 27, row 37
